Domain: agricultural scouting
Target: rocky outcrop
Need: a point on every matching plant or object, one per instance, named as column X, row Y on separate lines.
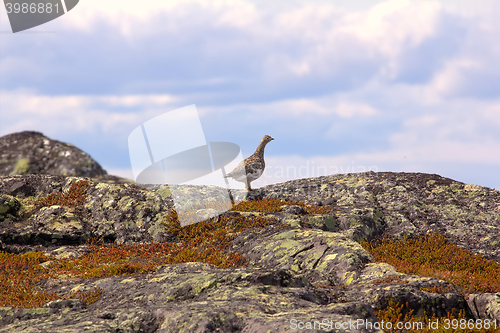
column 33, row 153
column 312, row 272
column 406, row 204
column 115, row 212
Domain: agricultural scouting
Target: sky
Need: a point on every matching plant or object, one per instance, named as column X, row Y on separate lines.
column 342, row 86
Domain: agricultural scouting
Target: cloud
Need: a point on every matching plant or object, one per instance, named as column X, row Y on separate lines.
column 415, row 22
column 135, row 22
column 245, row 50
column 77, row 113
column 452, row 76
column 349, row 110
column 302, row 107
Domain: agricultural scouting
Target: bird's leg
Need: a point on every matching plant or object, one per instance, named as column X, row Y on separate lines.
column 247, row 185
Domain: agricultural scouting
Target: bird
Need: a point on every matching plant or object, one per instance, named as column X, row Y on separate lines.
column 252, row 167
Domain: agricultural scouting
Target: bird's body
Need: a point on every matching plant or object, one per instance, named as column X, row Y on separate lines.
column 253, row 166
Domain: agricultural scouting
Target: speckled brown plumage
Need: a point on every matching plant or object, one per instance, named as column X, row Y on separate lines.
column 252, row 167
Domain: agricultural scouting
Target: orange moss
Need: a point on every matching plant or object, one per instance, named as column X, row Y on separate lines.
column 433, row 255
column 18, row 275
column 207, row 242
column 74, row 197
column 442, row 289
column 89, row 297
column 391, row 279
column 454, row 322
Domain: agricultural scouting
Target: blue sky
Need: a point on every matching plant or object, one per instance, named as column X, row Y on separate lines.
column 342, row 86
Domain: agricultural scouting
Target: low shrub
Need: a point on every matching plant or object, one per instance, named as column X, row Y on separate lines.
column 74, row 197
column 201, row 242
column 395, row 318
column 433, row 255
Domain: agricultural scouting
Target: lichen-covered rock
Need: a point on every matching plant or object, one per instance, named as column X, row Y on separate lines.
column 197, row 297
column 56, row 222
column 485, row 306
column 293, row 209
column 405, row 204
column 9, row 206
column 314, row 272
column 115, row 212
column 33, row 153
column 324, row 257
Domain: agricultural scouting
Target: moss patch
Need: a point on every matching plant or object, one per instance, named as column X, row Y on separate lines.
column 434, row 255
column 22, row 167
column 201, row 242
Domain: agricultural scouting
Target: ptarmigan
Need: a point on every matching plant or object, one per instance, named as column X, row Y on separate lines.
column 253, row 164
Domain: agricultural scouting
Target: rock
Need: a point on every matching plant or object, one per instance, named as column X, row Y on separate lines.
column 8, row 206
column 115, row 212
column 293, row 209
column 406, row 203
column 66, row 303
column 485, row 306
column 312, row 272
column 33, row 153
column 323, row 222
column 208, row 213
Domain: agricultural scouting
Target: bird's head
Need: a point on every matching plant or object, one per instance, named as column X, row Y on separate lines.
column 267, row 139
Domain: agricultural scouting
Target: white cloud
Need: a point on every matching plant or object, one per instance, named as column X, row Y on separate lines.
column 146, row 100
column 304, row 38
column 452, row 77
column 78, row 113
column 415, row 21
column 134, row 20
column 491, row 114
column 300, row 107
column 349, row 110
column 281, row 43
column 459, row 120
column 237, row 14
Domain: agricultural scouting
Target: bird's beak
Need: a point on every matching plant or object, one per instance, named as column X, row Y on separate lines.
column 272, row 139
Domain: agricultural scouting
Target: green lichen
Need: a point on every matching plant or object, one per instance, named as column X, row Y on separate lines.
column 35, row 311
column 4, row 208
column 22, row 167
column 321, row 221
